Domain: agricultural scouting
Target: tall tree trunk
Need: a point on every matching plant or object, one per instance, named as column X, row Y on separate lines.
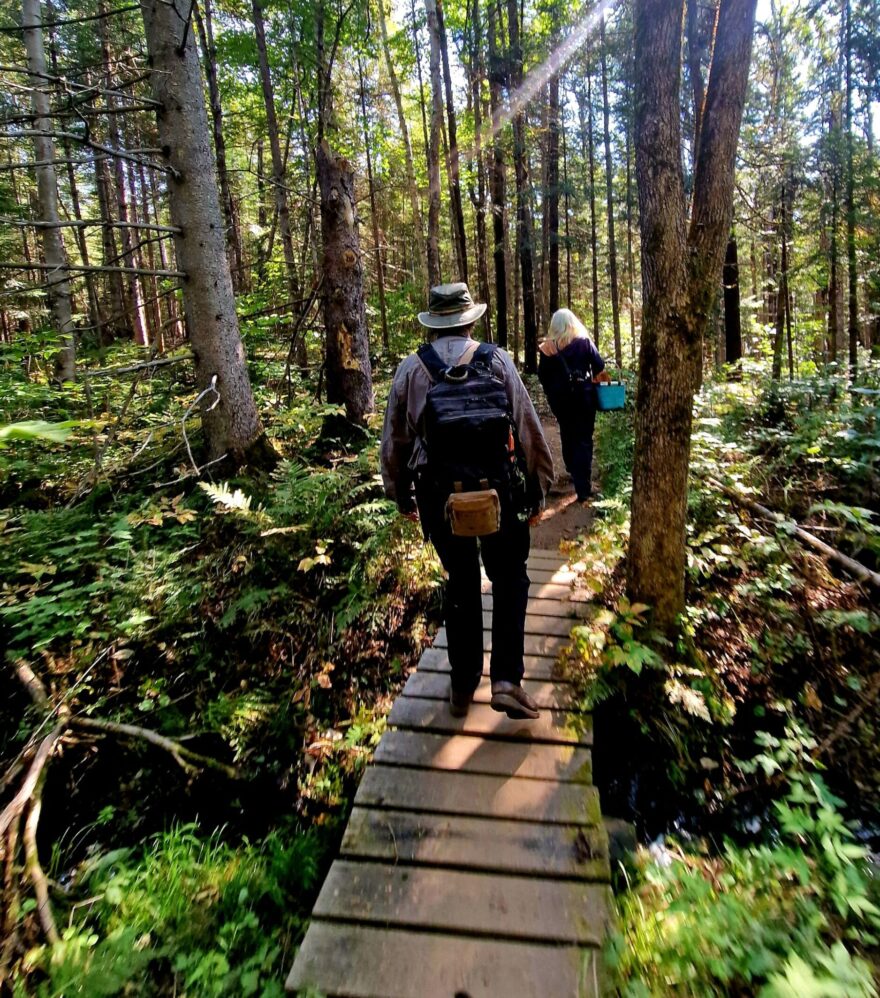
column 853, row 297
column 117, row 323
column 553, row 179
column 233, row 426
column 417, row 48
column 434, row 272
column 567, row 212
column 137, row 259
column 609, row 195
column 732, row 320
column 117, row 167
column 374, row 219
column 453, row 162
column 60, row 301
column 781, row 287
column 282, row 205
column 586, row 122
column 205, row 29
column 412, row 186
column 478, row 197
column 680, row 269
column 349, row 379
column 630, row 266
column 499, row 200
column 523, row 212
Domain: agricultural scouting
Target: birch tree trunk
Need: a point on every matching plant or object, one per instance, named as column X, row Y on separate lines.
column 412, row 186
column 232, row 427
column 349, row 379
column 680, row 271
column 47, row 191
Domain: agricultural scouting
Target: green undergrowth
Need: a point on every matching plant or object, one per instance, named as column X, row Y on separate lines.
column 265, row 620
column 739, row 742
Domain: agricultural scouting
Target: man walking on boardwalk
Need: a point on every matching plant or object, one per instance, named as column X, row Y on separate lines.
column 461, row 431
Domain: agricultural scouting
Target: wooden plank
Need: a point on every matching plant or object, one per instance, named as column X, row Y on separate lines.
column 545, row 553
column 466, row 902
column 545, row 572
column 560, row 727
column 435, row 686
column 538, row 667
column 535, row 644
column 545, row 590
column 472, row 754
column 359, row 961
column 539, row 624
column 524, row 847
column 510, row 797
column 545, row 607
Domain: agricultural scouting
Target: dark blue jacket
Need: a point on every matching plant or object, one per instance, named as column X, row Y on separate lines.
column 582, row 358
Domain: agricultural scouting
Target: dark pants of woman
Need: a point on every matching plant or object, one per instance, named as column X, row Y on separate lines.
column 504, row 556
column 576, row 432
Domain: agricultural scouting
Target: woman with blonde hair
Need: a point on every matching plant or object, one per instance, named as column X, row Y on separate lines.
column 569, row 368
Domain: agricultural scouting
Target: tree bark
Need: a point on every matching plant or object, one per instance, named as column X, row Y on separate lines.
column 205, row 29
column 349, row 378
column 499, row 200
column 412, row 186
column 732, row 320
column 282, row 206
column 60, row 302
column 233, row 426
column 453, row 162
column 609, row 195
column 680, row 270
column 523, row 212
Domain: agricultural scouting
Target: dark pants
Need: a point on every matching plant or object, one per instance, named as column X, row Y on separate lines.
column 504, row 557
column 576, row 432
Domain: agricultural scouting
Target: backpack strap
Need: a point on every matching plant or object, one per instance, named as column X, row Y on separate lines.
column 431, row 362
column 437, row 370
column 484, row 354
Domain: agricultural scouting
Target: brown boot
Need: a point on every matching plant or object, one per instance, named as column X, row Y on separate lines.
column 514, row 701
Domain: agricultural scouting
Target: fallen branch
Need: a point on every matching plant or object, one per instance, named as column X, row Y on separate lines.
column 854, row 568
column 32, row 863
column 188, row 760
column 14, row 808
column 32, row 683
column 107, row 372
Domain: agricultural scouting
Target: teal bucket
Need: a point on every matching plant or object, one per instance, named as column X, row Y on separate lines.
column 611, row 395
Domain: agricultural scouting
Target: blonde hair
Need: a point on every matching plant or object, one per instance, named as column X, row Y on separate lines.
column 565, row 327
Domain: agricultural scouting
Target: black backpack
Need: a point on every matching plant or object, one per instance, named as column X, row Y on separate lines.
column 469, row 432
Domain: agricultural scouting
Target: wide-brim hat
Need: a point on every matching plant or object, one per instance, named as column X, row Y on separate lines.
column 450, row 306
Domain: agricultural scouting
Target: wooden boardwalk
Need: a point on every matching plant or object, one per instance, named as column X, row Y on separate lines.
column 474, row 864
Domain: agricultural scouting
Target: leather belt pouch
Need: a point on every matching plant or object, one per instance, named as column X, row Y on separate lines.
column 474, row 514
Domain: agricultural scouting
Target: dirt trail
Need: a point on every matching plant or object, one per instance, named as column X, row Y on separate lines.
column 564, row 518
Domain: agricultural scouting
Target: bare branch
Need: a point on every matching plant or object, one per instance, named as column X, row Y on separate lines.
column 32, row 863
column 97, row 146
column 107, row 372
column 14, row 808
column 80, row 268
column 187, row 759
column 88, row 223
column 13, row 28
